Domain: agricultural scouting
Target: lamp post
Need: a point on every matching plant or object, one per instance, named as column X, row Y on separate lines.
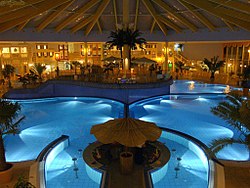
column 1, row 74
column 57, row 58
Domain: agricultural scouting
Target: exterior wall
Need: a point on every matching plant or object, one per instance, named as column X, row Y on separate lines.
column 199, row 51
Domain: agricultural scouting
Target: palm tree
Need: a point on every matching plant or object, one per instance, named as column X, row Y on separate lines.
column 120, row 38
column 8, row 114
column 7, row 71
column 75, row 64
column 235, row 111
column 132, row 39
column 39, row 69
column 117, row 40
column 213, row 65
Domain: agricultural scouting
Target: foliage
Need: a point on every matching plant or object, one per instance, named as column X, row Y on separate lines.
column 235, row 111
column 38, row 69
column 128, row 37
column 246, row 73
column 180, row 65
column 213, row 65
column 117, row 40
column 23, row 183
column 8, row 125
column 7, row 71
column 76, row 64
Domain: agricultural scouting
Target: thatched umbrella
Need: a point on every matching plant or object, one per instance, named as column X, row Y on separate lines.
column 143, row 60
column 126, row 131
column 112, row 58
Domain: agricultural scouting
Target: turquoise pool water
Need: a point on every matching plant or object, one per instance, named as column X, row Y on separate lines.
column 47, row 119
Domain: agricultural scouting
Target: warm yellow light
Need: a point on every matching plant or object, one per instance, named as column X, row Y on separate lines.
column 57, row 56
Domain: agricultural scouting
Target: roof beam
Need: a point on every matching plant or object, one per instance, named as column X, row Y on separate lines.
column 231, row 26
column 198, row 15
column 22, row 25
column 205, row 5
column 237, row 5
column 153, row 26
column 136, row 13
column 6, row 9
column 180, row 18
column 53, row 16
column 27, row 10
column 170, row 24
column 76, row 14
column 115, row 14
column 81, row 24
column 99, row 26
column 152, row 11
column 99, row 11
column 46, row 6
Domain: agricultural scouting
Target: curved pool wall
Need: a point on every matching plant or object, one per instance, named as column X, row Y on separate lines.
column 126, row 93
column 191, row 114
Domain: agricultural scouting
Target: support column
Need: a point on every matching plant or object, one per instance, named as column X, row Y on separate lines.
column 1, row 74
column 86, row 53
column 165, row 53
column 126, row 50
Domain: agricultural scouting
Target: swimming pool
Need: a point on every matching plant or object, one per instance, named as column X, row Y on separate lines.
column 47, row 119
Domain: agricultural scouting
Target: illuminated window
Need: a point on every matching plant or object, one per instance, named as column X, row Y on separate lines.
column 14, row 50
column 45, row 47
column 39, row 54
column 51, row 54
column 45, row 54
column 6, row 50
column 23, row 50
column 38, row 47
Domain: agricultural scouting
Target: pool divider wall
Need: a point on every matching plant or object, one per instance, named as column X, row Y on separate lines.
column 126, row 93
column 217, row 175
column 38, row 171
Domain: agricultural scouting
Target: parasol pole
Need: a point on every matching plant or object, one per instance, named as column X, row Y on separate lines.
column 126, row 110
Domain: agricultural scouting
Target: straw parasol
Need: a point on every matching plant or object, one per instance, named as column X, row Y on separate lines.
column 126, row 131
column 143, row 60
column 111, row 58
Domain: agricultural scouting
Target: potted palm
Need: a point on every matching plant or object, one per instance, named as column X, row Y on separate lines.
column 235, row 111
column 75, row 64
column 9, row 124
column 7, row 71
column 213, row 65
column 39, row 69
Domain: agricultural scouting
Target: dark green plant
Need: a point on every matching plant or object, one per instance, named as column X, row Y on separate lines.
column 179, row 65
column 39, row 69
column 7, row 71
column 22, row 182
column 117, row 40
column 8, row 125
column 213, row 65
column 236, row 112
column 121, row 37
column 76, row 64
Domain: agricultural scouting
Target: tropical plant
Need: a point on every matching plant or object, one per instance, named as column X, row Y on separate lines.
column 132, row 39
column 9, row 124
column 236, row 112
column 39, row 69
column 213, row 65
column 128, row 37
column 22, row 182
column 179, row 65
column 7, row 71
column 76, row 64
column 117, row 40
